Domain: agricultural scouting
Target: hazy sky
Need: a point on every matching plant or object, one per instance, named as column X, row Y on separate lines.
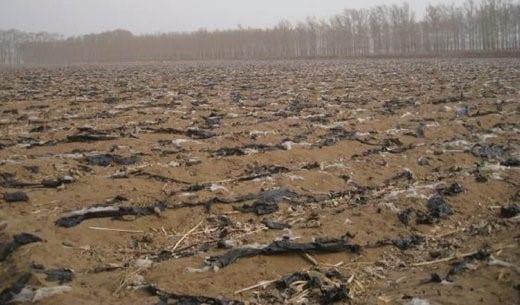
column 73, row 17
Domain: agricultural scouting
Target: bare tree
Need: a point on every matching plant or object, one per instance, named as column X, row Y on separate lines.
column 485, row 26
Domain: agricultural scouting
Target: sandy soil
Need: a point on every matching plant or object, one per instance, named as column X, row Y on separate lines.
column 344, row 146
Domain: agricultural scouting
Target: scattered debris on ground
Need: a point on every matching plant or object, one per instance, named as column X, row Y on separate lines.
column 132, row 174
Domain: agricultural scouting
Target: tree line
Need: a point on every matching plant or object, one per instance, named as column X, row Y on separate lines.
column 14, row 43
column 486, row 26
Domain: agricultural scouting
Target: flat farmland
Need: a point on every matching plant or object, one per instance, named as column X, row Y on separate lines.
column 261, row 182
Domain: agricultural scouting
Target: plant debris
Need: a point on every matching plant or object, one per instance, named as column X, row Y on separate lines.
column 459, row 267
column 403, row 243
column 323, row 287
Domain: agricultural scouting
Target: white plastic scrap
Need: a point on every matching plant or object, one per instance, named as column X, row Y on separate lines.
column 417, row 301
column 287, row 145
column 216, row 187
column 414, row 191
column 29, row 294
column 178, row 142
column 261, row 133
column 144, row 263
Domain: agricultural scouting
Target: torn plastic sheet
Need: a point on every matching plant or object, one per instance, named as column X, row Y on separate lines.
column 274, row 225
column 437, row 207
column 484, row 150
column 459, row 267
column 452, row 190
column 261, row 171
column 90, row 137
column 45, row 183
column 10, row 292
column 19, row 240
column 511, row 162
column 322, row 245
column 184, row 299
column 266, row 201
column 77, row 217
column 510, row 211
column 196, row 133
column 414, row 191
column 60, row 275
column 16, row 197
column 108, row 159
column 244, row 150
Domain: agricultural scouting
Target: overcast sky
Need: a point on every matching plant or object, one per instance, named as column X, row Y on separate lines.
column 74, row 17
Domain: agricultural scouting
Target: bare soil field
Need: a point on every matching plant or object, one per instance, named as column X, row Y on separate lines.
column 277, row 182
